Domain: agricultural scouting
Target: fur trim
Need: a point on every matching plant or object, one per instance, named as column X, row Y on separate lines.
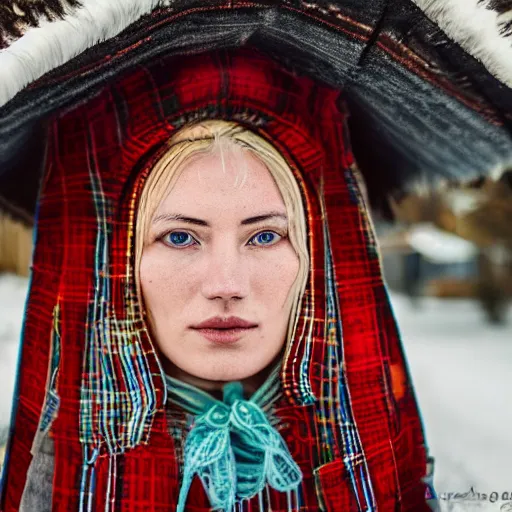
column 480, row 30
column 55, row 42
column 482, row 27
column 17, row 15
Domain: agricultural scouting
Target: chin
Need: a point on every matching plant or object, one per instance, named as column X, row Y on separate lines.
column 225, row 374
column 207, row 368
column 209, row 372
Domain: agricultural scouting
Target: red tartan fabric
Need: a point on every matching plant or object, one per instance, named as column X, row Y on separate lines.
column 116, row 135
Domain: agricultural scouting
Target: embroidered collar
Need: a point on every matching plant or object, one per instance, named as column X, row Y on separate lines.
column 232, row 445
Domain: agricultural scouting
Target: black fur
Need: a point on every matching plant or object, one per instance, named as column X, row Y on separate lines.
column 502, row 6
column 16, row 16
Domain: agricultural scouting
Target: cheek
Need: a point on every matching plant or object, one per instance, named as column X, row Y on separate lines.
column 162, row 284
column 276, row 277
column 149, row 274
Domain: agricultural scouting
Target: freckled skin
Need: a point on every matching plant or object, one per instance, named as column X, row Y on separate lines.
column 224, row 269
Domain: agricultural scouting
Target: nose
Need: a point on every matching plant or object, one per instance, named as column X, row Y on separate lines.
column 226, row 275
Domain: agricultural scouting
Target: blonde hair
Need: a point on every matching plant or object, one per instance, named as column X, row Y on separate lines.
column 208, row 137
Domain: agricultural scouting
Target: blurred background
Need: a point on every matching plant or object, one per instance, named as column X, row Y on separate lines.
column 447, row 260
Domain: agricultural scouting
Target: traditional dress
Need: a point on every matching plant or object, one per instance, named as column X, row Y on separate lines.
column 337, row 426
column 345, row 406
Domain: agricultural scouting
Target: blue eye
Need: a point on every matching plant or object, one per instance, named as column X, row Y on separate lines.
column 179, row 238
column 266, row 238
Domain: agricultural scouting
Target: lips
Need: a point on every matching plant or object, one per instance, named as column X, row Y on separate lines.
column 224, row 330
column 231, row 322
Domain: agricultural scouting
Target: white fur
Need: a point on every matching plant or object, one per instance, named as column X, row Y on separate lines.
column 477, row 29
column 56, row 42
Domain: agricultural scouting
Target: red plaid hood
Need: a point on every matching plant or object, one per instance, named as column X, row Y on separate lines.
column 350, row 415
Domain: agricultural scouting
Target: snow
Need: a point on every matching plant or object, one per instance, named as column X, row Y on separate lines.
column 13, row 291
column 462, row 370
column 439, row 246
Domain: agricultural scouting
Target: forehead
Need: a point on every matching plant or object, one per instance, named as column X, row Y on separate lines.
column 233, row 182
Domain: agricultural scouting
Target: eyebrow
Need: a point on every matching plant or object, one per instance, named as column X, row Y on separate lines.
column 199, row 222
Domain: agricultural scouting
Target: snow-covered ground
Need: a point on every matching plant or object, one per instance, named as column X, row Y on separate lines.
column 462, row 370
column 13, row 291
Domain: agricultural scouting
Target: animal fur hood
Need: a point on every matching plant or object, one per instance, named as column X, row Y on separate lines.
column 427, row 82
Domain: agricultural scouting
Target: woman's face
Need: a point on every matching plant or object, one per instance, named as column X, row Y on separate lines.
column 219, row 250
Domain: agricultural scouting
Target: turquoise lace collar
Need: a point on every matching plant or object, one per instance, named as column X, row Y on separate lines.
column 232, row 446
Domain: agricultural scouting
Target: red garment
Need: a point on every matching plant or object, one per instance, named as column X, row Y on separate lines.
column 112, row 140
